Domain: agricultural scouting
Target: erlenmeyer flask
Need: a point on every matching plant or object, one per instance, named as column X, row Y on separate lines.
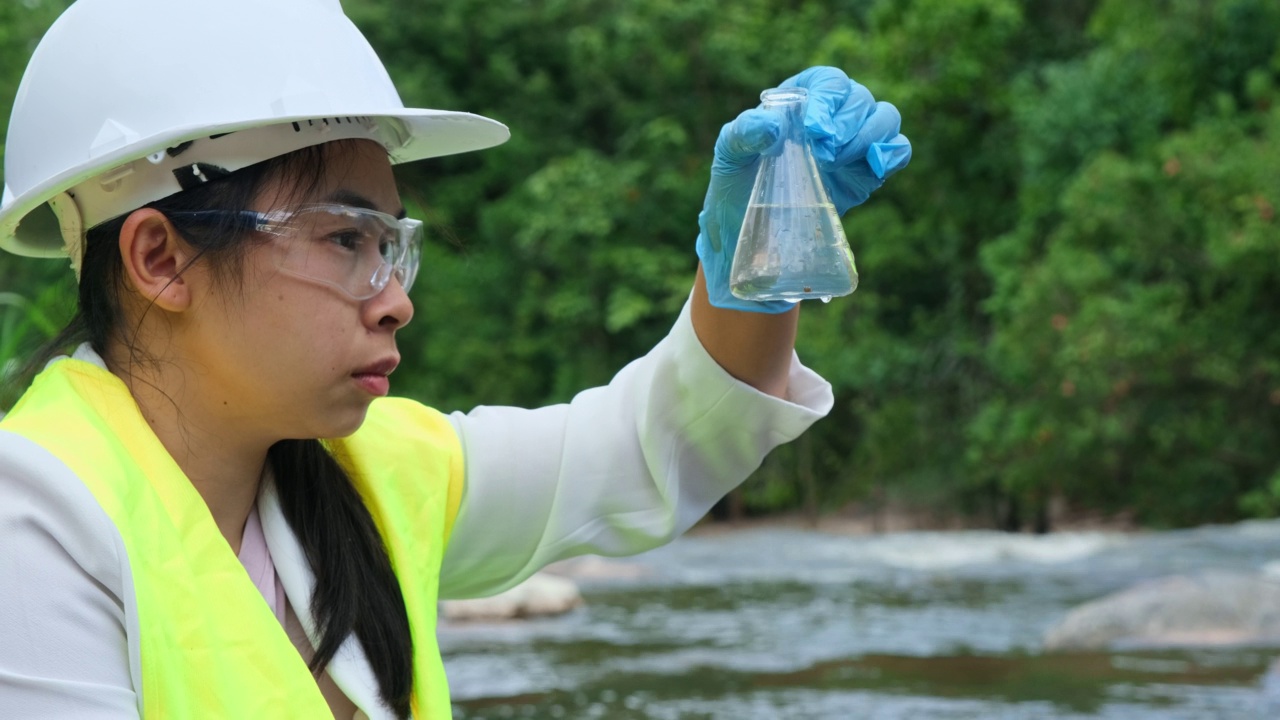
column 792, row 246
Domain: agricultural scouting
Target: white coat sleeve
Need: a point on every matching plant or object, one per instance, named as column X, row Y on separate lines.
column 618, row 470
column 64, row 612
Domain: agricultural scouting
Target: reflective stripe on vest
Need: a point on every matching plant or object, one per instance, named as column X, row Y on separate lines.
column 210, row 646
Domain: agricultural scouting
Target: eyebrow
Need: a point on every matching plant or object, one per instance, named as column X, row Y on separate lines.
column 354, row 199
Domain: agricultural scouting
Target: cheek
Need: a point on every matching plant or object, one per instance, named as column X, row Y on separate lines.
column 311, row 326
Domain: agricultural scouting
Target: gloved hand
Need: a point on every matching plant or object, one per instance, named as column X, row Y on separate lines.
column 855, row 142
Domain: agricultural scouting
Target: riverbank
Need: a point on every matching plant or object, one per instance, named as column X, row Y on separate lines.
column 856, row 520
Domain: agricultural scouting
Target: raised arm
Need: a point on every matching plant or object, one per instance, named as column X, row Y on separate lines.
column 618, row 470
column 626, row 467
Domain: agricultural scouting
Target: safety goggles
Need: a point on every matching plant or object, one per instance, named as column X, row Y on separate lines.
column 353, row 249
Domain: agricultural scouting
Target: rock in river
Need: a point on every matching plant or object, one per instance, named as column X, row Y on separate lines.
column 541, row 594
column 1210, row 608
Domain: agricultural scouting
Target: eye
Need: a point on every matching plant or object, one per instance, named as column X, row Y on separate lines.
column 347, row 238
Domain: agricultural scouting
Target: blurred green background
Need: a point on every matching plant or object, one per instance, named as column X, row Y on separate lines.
column 1070, row 296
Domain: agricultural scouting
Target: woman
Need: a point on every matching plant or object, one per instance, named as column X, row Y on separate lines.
column 178, row 539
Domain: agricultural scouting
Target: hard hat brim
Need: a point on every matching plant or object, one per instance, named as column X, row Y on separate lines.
column 29, row 227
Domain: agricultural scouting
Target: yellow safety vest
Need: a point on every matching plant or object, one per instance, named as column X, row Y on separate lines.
column 210, row 645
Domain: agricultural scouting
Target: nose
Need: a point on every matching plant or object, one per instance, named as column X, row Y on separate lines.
column 390, row 309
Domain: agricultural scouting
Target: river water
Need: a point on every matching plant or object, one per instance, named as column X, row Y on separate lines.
column 778, row 623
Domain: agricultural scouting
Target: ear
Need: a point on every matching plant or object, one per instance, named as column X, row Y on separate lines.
column 154, row 256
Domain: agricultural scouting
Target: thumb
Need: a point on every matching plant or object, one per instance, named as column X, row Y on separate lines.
column 742, row 141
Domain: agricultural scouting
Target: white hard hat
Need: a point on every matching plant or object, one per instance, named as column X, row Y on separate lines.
column 128, row 101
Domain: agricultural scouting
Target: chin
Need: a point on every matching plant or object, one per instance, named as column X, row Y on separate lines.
column 345, row 423
column 326, row 419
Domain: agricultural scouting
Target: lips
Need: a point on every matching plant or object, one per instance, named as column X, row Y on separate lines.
column 373, row 377
column 382, row 367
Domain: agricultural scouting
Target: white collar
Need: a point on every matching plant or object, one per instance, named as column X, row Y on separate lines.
column 350, row 668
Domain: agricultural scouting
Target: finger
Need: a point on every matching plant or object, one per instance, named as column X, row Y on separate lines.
column 828, row 88
column 742, row 141
column 887, row 158
column 881, row 126
column 852, row 185
column 848, row 120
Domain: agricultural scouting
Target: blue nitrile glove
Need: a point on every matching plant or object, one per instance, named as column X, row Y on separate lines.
column 855, row 142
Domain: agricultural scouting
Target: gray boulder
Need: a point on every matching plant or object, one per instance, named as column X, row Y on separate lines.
column 593, row 567
column 1205, row 609
column 540, row 595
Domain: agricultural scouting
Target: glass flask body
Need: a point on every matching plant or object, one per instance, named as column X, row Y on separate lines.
column 792, row 245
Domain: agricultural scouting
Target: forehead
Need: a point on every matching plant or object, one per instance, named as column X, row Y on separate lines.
column 335, row 172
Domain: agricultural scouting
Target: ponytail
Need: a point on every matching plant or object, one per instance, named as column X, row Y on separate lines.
column 356, row 588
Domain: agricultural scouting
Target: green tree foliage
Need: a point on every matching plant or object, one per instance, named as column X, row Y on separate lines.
column 33, row 295
column 1133, row 344
column 1071, row 292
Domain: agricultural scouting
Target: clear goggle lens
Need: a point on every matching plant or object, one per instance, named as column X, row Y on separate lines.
column 353, row 249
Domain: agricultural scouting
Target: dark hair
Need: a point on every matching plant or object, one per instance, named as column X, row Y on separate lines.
column 356, row 587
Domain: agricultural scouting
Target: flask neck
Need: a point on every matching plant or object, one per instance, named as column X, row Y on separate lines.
column 778, row 97
column 791, row 102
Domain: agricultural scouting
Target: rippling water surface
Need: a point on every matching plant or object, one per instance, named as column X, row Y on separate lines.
column 795, row 624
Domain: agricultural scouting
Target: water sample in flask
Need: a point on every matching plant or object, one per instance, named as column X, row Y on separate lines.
column 792, row 245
